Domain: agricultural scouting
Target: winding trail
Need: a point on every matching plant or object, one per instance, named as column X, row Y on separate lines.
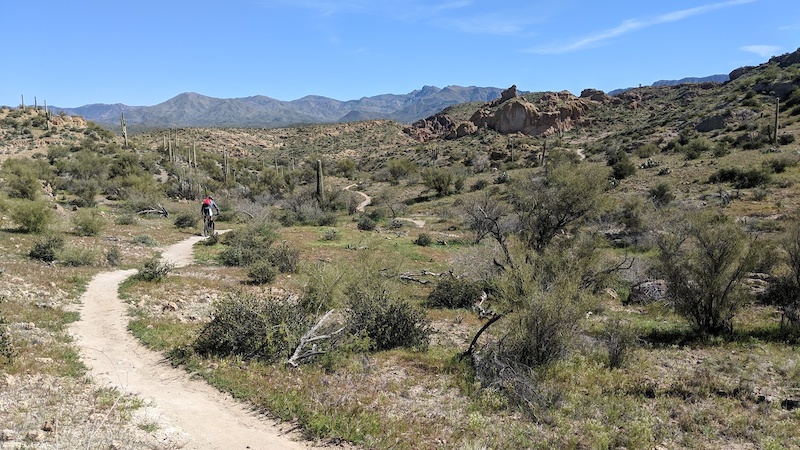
column 195, row 415
column 363, row 204
column 368, row 200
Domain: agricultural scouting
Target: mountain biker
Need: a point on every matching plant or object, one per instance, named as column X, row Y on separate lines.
column 206, row 208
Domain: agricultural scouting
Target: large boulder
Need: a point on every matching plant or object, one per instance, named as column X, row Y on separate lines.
column 556, row 112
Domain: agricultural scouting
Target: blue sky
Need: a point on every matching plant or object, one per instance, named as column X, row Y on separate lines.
column 143, row 52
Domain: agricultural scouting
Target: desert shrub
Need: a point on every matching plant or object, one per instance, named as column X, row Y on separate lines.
column 452, row 292
column 88, row 222
column 438, row 179
column 126, row 219
column 377, row 214
column 144, row 240
column 253, row 327
column 784, row 289
column 400, row 168
column 284, row 257
column 703, row 259
column 365, row 223
column 479, row 184
column 331, row 234
column 661, row 194
column 154, row 270
column 781, row 163
column 646, row 150
column 46, row 248
column 621, row 165
column 32, row 216
column 247, row 245
column 740, row 178
column 386, row 321
column 113, row 256
column 618, row 339
column 695, row 148
column 77, row 257
column 7, row 351
column 543, row 332
column 185, row 220
column 261, row 272
column 785, row 139
column 423, row 240
column 396, row 224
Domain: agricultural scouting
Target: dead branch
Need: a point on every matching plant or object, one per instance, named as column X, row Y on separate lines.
column 406, row 277
column 310, row 338
column 159, row 209
column 474, row 342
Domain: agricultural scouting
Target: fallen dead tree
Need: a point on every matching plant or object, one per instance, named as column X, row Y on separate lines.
column 159, row 209
column 310, row 338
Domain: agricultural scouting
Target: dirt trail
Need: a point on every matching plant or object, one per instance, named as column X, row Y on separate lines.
column 363, row 204
column 191, row 413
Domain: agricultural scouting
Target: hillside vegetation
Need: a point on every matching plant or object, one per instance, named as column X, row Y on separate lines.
column 627, row 279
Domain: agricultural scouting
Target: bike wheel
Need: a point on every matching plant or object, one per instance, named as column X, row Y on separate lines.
column 211, row 227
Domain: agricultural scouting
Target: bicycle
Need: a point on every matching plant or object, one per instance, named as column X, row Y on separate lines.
column 208, row 225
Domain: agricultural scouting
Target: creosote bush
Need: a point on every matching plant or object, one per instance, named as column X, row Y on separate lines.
column 47, row 247
column 186, row 220
column 252, row 327
column 32, row 216
column 154, row 270
column 452, row 292
column 423, row 240
column 88, row 222
column 247, row 245
column 261, row 272
column 387, row 322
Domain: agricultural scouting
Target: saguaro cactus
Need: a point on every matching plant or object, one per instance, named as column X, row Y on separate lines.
column 124, row 128
column 320, row 187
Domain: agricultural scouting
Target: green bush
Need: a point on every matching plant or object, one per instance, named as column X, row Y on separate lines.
column 32, row 216
column 186, row 220
column 154, row 270
column 7, row 351
column 703, row 259
column 113, row 256
column 284, row 257
column 88, row 222
column 261, row 272
column 452, row 292
column 740, row 178
column 77, row 257
column 366, row 223
column 618, row 339
column 253, row 328
column 247, row 245
column 46, row 249
column 423, row 240
column 386, row 321
column 661, row 194
column 145, row 240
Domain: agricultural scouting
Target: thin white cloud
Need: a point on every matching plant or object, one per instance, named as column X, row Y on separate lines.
column 791, row 27
column 763, row 51
column 486, row 24
column 632, row 25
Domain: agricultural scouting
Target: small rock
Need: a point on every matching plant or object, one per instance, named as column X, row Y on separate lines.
column 34, row 436
column 49, row 425
column 171, row 306
column 116, row 445
column 7, row 380
column 8, row 435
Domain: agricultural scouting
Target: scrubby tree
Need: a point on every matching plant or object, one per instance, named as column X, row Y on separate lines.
column 566, row 197
column 703, row 258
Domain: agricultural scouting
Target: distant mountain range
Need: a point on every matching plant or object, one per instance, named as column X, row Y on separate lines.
column 708, row 79
column 195, row 110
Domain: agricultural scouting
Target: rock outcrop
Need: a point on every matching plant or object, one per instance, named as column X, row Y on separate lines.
column 553, row 112
column 559, row 112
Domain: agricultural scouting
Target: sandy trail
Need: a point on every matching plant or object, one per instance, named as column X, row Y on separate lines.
column 192, row 413
column 363, row 204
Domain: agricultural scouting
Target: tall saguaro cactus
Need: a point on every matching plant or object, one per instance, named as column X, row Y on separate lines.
column 124, row 128
column 320, row 187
